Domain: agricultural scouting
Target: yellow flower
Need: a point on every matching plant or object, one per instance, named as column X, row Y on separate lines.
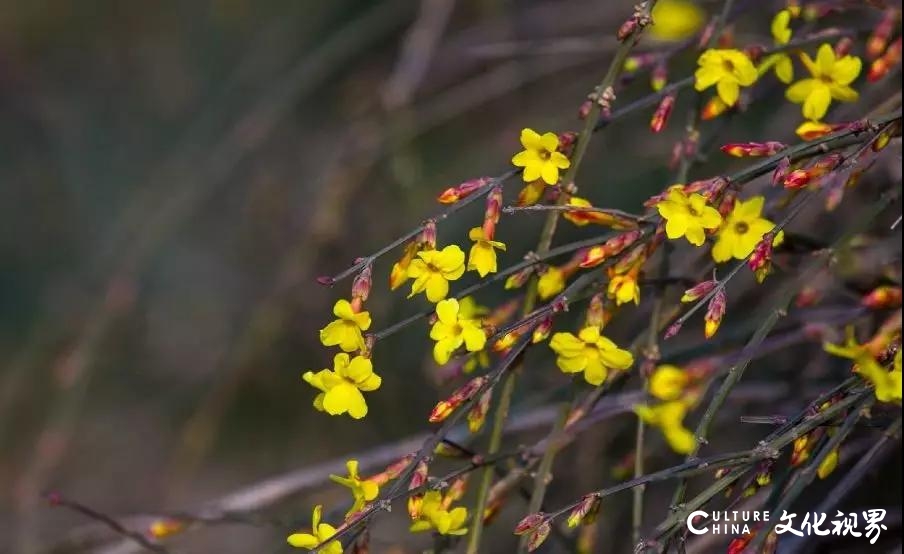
column 318, row 537
column 851, row 349
column 590, row 353
column 887, row 383
column 551, row 282
column 341, row 386
column 669, row 418
column 624, row 288
column 831, row 79
column 363, row 490
column 781, row 61
column 483, row 253
column 451, row 330
column 687, row 216
column 675, row 20
column 435, row 515
column 668, row 382
column 728, row 70
column 540, row 158
column 347, row 330
column 743, row 229
column 433, row 269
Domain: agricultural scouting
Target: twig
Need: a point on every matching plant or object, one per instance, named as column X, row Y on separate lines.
column 56, row 499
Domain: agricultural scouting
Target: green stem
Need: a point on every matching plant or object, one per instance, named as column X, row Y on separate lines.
column 544, row 470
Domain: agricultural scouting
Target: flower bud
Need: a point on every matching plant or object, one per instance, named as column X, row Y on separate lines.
column 541, row 331
column 880, row 67
column 163, row 528
column 477, row 416
column 883, row 298
column 519, row 279
column 662, row 113
column 585, row 108
column 362, row 283
column 714, row 313
column 781, row 170
column 596, row 255
column 428, row 235
column 760, row 261
column 878, row 40
column 444, row 408
column 459, row 192
column 753, row 149
column 699, row 290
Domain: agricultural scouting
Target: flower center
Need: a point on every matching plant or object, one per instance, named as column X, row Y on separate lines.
column 694, row 211
column 545, row 154
column 741, row 227
column 827, row 79
column 728, row 66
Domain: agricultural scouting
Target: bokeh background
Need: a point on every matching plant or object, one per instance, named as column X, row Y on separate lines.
column 173, row 178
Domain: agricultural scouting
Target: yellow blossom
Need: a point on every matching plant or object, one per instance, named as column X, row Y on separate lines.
column 669, row 418
column 688, row 216
column 831, row 79
column 540, row 157
column 726, row 69
column 341, row 386
column 675, row 20
column 742, row 231
column 318, row 537
column 668, row 382
column 888, row 384
column 589, row 352
column 551, row 282
column 347, row 330
column 433, row 269
column 851, row 349
column 363, row 490
column 482, row 257
column 780, row 61
column 624, row 289
column 451, row 330
column 435, row 515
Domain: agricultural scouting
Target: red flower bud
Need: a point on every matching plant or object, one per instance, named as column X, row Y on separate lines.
column 881, row 66
column 883, row 297
column 459, row 192
column 662, row 113
column 444, row 408
column 753, row 149
column 699, row 290
column 596, row 255
column 878, row 40
column 714, row 313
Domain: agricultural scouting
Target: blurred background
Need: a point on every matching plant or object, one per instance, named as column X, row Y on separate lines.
column 173, row 178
